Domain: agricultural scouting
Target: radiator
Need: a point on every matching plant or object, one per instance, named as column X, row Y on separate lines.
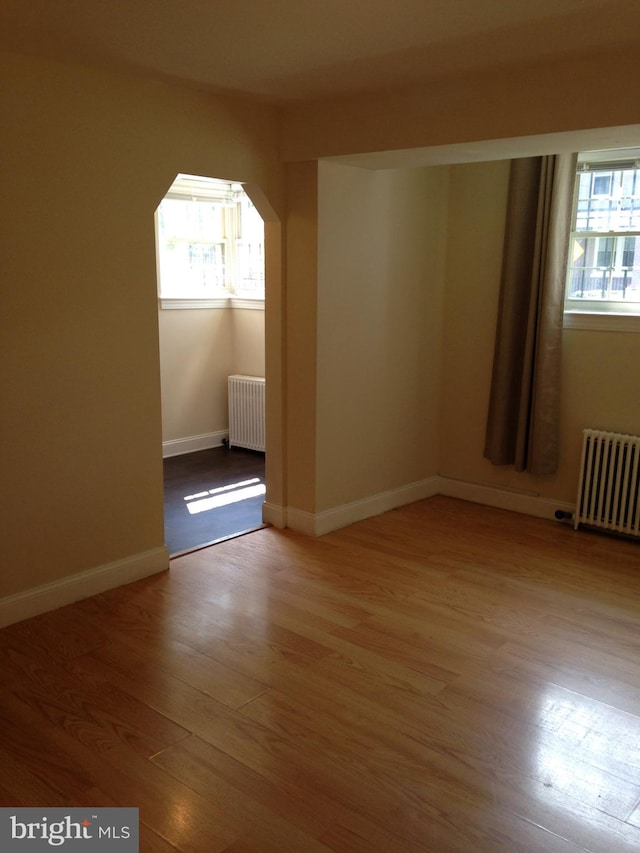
column 609, row 482
column 246, row 412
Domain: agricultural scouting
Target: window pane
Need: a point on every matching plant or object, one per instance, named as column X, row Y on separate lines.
column 210, row 241
column 604, row 257
column 191, row 247
column 250, row 245
column 602, row 184
column 608, row 201
column 605, row 268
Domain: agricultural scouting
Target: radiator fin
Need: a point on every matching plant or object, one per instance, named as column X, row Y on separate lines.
column 246, row 412
column 609, row 485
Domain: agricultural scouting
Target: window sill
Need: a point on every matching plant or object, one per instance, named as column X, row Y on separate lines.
column 218, row 302
column 605, row 322
column 247, row 302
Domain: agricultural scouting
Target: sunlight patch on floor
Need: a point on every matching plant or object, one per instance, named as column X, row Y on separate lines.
column 225, row 495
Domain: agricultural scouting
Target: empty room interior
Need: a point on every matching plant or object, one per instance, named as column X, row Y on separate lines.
column 429, row 642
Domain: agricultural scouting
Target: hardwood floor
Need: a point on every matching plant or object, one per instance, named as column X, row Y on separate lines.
column 443, row 678
column 199, row 496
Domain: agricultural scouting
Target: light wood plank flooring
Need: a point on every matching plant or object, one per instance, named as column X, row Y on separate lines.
column 444, row 678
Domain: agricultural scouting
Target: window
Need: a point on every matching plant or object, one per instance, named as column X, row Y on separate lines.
column 210, row 243
column 604, row 255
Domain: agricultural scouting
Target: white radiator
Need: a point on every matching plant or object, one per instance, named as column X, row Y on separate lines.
column 609, row 482
column 246, row 412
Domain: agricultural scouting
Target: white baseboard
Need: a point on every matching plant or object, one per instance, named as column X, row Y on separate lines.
column 341, row 516
column 524, row 502
column 274, row 514
column 41, row 599
column 324, row 522
column 192, row 443
column 301, row 521
column 32, row 602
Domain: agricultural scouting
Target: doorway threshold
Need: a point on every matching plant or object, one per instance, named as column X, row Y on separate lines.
column 194, row 548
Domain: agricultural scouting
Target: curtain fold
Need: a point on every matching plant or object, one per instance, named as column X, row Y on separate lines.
column 524, row 404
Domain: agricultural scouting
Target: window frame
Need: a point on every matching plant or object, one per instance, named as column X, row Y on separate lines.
column 198, row 188
column 601, row 314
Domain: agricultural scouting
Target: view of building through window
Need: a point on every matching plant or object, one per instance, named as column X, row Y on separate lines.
column 604, row 255
column 210, row 241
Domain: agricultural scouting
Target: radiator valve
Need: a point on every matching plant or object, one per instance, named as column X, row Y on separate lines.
column 563, row 515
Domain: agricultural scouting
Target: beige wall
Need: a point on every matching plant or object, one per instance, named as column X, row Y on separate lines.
column 381, row 253
column 571, row 94
column 601, row 382
column 87, row 155
column 300, row 324
column 408, row 277
column 601, row 370
column 196, row 357
column 247, row 341
column 199, row 349
column 477, row 204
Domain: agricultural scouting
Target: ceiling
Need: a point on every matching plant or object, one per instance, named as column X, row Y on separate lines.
column 286, row 51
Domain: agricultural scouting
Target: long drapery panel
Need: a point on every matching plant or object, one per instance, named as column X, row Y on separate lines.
column 524, row 404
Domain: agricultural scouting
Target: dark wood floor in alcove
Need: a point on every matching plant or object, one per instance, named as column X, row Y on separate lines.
column 211, row 495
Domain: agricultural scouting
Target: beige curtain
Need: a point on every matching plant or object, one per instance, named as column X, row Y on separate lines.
column 522, row 425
